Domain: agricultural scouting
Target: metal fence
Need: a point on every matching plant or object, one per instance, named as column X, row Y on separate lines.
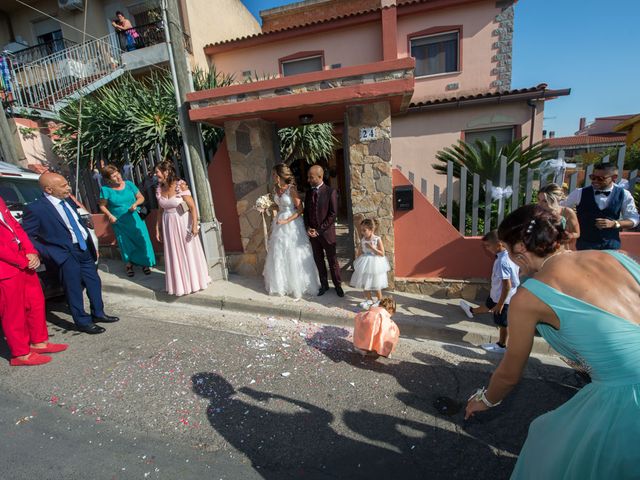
column 475, row 207
column 46, row 81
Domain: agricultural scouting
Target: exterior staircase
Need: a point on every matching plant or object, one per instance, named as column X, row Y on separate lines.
column 48, row 84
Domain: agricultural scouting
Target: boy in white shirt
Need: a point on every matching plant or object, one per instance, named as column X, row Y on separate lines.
column 504, row 282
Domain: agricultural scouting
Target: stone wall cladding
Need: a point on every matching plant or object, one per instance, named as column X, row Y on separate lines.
column 474, row 290
column 252, row 145
column 370, row 172
column 306, row 87
column 503, row 45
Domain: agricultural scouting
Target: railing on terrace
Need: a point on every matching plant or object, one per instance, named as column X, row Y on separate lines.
column 475, row 208
column 142, row 36
column 41, row 84
column 31, row 54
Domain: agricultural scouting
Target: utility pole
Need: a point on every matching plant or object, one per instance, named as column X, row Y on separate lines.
column 7, row 141
column 192, row 141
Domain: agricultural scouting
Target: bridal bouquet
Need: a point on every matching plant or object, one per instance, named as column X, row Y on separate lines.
column 264, row 204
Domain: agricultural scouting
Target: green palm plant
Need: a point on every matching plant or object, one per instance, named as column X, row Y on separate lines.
column 310, row 142
column 133, row 116
column 483, row 158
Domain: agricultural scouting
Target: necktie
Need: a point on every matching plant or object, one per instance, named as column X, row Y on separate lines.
column 74, row 226
column 603, row 192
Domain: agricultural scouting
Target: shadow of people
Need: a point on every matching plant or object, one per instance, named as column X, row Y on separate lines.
column 289, row 438
column 430, row 380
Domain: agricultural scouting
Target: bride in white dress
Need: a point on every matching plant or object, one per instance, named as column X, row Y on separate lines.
column 289, row 268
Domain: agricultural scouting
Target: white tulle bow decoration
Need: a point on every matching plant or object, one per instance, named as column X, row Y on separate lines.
column 499, row 193
column 556, row 167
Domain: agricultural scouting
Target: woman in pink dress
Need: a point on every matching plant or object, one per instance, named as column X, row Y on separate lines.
column 185, row 265
column 375, row 333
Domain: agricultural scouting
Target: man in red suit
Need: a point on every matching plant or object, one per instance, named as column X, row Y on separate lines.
column 21, row 299
column 320, row 210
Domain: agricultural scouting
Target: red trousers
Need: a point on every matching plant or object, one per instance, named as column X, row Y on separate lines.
column 22, row 312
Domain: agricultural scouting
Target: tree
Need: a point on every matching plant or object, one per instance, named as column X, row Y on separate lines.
column 310, row 142
column 131, row 117
column 483, row 158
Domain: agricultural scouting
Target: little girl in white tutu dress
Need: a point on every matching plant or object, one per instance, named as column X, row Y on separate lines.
column 371, row 265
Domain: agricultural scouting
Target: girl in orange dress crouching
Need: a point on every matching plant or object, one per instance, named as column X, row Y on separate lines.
column 375, row 333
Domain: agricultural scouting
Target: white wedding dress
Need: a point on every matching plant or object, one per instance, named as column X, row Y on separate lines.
column 289, row 268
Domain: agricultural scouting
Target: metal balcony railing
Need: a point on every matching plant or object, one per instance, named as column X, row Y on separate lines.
column 142, row 36
column 46, row 81
column 31, row 54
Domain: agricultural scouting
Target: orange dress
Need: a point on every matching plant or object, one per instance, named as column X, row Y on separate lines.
column 375, row 331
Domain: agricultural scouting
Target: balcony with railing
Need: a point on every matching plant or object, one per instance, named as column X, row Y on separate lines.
column 45, row 77
column 41, row 50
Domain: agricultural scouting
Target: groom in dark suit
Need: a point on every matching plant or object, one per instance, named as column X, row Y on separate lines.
column 320, row 210
column 55, row 229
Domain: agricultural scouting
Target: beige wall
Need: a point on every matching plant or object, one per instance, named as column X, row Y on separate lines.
column 348, row 46
column 211, row 22
column 22, row 20
column 476, row 47
column 416, row 138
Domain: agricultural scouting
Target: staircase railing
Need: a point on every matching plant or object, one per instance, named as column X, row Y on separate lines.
column 44, row 82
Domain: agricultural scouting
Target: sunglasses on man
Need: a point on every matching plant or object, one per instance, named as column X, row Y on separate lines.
column 599, row 178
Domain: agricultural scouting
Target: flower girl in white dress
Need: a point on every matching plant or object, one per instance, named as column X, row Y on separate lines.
column 371, row 265
column 289, row 268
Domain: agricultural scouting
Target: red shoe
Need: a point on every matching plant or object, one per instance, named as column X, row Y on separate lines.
column 32, row 359
column 50, row 348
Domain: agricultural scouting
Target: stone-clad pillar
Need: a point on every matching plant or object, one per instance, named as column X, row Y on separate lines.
column 369, row 157
column 253, row 151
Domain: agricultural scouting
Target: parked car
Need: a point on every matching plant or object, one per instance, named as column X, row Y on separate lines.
column 19, row 187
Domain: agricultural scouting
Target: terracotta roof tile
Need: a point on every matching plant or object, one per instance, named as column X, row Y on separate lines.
column 578, row 140
column 478, row 96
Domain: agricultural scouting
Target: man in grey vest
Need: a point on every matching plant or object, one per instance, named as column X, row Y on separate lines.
column 604, row 209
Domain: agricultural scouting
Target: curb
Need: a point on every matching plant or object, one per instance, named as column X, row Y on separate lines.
column 410, row 326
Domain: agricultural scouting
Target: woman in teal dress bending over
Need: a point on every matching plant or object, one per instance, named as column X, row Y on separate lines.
column 585, row 304
column 120, row 201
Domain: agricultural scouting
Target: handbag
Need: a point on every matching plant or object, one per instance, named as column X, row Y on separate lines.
column 182, row 208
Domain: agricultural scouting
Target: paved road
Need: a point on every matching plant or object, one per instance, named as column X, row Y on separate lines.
column 176, row 393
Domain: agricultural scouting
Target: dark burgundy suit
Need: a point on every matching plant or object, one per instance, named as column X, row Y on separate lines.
column 320, row 210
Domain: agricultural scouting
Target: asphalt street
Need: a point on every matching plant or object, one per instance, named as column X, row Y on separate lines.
column 184, row 393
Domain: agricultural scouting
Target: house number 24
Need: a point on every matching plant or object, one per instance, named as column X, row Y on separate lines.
column 369, row 133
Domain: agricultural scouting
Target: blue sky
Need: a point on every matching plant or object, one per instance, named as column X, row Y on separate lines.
column 590, row 46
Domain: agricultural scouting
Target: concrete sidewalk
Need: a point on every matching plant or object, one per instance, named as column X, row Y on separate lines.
column 418, row 316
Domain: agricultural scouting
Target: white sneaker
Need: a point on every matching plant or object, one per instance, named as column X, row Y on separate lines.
column 494, row 348
column 366, row 304
column 466, row 308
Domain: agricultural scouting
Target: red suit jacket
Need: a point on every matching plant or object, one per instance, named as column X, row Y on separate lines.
column 326, row 210
column 13, row 255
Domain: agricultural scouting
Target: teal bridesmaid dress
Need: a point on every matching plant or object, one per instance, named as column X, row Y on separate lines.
column 130, row 230
column 596, row 434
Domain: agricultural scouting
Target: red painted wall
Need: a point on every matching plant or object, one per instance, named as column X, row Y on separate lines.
column 427, row 246
column 224, row 198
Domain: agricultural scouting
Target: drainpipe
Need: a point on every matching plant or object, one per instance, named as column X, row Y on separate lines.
column 532, row 104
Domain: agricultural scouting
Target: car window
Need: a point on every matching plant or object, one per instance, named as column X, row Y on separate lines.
column 17, row 193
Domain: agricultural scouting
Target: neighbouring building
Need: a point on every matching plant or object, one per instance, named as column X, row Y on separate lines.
column 49, row 59
column 399, row 80
column 590, row 140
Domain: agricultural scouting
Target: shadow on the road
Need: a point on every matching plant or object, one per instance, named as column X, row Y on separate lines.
column 287, row 438
column 431, row 378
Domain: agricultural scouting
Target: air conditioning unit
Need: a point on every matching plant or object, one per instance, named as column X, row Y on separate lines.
column 71, row 4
